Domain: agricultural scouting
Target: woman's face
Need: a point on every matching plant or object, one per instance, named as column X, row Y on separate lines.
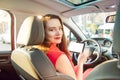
column 53, row 31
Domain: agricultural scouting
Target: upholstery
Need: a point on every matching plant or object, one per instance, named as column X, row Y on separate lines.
column 109, row 70
column 31, row 63
column 31, row 31
column 116, row 33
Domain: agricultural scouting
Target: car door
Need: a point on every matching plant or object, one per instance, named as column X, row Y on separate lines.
column 7, row 72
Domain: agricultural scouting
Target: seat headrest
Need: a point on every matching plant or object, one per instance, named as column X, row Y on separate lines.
column 116, row 32
column 31, row 31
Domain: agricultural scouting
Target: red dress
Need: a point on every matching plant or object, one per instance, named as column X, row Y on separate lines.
column 54, row 53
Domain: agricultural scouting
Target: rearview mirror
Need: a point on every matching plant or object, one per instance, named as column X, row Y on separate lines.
column 110, row 19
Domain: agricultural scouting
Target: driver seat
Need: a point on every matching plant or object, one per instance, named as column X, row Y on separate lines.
column 31, row 63
column 109, row 70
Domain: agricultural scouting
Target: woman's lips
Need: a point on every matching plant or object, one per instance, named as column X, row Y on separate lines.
column 57, row 38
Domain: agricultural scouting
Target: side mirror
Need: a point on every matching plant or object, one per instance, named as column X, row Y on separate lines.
column 110, row 19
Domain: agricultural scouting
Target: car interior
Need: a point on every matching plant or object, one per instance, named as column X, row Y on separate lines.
column 33, row 70
column 21, row 27
column 109, row 70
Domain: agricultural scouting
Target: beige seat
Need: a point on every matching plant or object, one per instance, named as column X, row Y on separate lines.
column 31, row 63
column 109, row 70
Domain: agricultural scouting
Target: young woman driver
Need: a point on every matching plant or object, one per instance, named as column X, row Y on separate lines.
column 55, row 47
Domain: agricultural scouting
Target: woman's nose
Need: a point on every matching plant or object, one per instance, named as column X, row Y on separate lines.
column 58, row 32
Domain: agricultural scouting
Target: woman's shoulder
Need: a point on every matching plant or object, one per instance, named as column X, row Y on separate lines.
column 53, row 54
column 54, row 50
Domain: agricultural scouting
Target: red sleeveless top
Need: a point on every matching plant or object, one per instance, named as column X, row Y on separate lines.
column 54, row 53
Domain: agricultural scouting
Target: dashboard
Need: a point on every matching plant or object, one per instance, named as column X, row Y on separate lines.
column 104, row 42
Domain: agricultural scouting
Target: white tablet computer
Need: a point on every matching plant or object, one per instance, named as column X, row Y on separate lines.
column 76, row 47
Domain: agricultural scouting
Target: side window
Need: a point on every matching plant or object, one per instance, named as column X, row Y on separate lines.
column 5, row 31
column 69, row 35
column 72, row 37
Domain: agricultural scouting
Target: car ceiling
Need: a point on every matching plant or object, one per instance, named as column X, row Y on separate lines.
column 55, row 6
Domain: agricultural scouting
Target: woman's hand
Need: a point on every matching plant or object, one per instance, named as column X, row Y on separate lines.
column 82, row 58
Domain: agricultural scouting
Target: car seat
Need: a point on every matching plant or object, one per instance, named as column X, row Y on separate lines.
column 109, row 70
column 31, row 63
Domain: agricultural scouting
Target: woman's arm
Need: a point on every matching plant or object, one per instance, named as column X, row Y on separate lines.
column 81, row 60
column 64, row 65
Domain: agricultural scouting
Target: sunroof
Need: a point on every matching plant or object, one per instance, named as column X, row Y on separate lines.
column 76, row 3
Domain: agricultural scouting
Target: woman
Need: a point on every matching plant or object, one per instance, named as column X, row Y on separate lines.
column 55, row 47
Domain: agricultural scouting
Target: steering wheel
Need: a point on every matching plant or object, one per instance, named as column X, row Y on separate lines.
column 95, row 51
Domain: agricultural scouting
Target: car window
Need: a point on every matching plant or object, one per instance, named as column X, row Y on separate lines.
column 93, row 25
column 5, row 31
column 69, row 34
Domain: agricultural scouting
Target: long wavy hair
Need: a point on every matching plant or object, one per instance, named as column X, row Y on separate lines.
column 46, row 45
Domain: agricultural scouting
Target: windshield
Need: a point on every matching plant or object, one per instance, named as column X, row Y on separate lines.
column 94, row 26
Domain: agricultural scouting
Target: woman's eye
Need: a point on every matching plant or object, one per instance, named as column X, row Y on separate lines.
column 55, row 29
column 51, row 29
